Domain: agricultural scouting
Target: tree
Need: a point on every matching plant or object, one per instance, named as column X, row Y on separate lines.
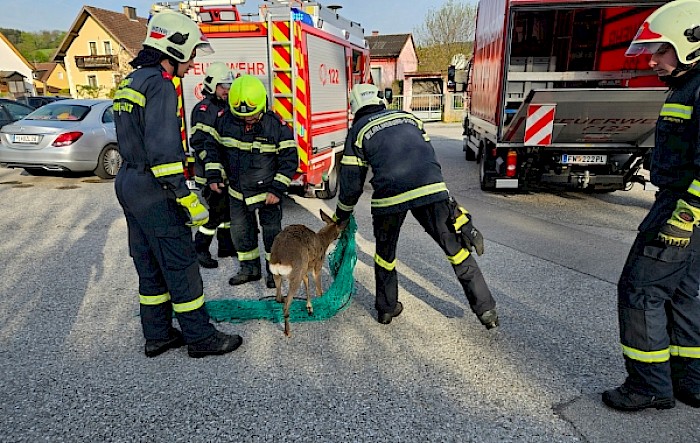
column 446, row 31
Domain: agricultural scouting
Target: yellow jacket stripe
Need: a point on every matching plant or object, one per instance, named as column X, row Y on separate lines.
column 685, row 351
column 344, row 207
column 235, row 194
column 249, row 255
column 205, row 128
column 409, row 195
column 384, row 264
column 352, row 160
column 694, row 188
column 249, row 146
column 258, row 198
column 189, row 306
column 153, row 300
column 677, row 110
column 286, row 144
column 207, row 231
column 168, row 169
column 384, row 121
column 131, row 95
column 459, row 257
column 646, row 356
column 283, row 179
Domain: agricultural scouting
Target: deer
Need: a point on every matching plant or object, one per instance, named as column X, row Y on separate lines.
column 296, row 251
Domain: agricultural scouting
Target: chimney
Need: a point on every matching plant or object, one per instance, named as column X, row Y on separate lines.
column 130, row 12
column 375, row 33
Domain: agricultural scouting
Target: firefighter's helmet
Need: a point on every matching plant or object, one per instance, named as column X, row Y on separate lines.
column 176, row 35
column 676, row 23
column 217, row 74
column 363, row 95
column 247, row 96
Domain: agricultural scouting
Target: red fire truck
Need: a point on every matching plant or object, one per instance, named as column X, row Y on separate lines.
column 553, row 99
column 307, row 55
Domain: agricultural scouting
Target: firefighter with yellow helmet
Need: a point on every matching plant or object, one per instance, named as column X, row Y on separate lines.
column 659, row 288
column 259, row 155
column 151, row 189
column 217, row 81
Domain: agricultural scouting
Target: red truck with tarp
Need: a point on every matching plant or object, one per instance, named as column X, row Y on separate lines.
column 553, row 101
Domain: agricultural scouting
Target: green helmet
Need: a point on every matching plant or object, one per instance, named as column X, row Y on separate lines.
column 247, row 96
column 217, row 73
column 363, row 95
column 176, row 35
column 676, row 23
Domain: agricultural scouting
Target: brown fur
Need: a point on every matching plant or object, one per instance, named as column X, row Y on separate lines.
column 296, row 251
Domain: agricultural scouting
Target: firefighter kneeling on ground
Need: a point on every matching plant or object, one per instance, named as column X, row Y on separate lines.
column 151, row 189
column 658, row 294
column 215, row 87
column 259, row 155
column 406, row 177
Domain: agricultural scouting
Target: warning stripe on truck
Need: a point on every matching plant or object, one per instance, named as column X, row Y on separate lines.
column 539, row 125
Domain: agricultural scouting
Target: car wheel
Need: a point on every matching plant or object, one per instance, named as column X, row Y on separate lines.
column 108, row 162
column 330, row 185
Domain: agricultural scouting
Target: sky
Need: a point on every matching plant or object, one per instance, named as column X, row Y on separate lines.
column 385, row 16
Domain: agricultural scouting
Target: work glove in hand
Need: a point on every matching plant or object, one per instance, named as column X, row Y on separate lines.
column 195, row 209
column 679, row 228
column 464, row 227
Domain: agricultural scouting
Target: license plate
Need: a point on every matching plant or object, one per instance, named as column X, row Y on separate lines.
column 584, row 159
column 24, row 138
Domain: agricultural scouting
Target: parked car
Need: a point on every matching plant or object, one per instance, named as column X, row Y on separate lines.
column 38, row 101
column 11, row 111
column 67, row 135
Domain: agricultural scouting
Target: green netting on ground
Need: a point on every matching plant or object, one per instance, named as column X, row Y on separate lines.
column 341, row 263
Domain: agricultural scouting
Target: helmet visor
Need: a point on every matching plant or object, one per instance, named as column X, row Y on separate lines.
column 244, row 108
column 636, row 49
column 202, row 48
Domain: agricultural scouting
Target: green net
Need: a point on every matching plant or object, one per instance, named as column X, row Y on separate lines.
column 341, row 263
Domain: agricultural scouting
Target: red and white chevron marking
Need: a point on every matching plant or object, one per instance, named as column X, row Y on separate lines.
column 539, row 125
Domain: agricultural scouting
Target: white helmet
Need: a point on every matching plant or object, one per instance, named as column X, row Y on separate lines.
column 676, row 23
column 217, row 73
column 363, row 95
column 176, row 35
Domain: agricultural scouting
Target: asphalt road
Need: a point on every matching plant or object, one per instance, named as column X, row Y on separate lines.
column 72, row 367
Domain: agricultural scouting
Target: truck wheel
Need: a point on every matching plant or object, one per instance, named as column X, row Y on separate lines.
column 330, row 185
column 108, row 162
column 482, row 174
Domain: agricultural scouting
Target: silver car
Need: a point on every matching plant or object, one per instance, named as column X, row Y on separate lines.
column 67, row 135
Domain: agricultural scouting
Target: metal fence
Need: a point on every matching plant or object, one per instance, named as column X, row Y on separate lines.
column 433, row 107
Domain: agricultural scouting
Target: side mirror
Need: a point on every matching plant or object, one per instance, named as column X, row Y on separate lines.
column 388, row 95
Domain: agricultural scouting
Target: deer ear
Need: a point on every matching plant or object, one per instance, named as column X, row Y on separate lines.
column 325, row 217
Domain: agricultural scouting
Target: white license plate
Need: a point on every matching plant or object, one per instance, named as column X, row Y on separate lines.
column 24, row 138
column 584, row 159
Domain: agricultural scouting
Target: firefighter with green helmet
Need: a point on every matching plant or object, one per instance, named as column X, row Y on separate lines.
column 152, row 191
column 217, row 81
column 259, row 156
column 659, row 288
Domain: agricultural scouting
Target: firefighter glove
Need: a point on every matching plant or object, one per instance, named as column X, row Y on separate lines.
column 679, row 228
column 464, row 227
column 195, row 209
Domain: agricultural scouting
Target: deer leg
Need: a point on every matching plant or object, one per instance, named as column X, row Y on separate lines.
column 294, row 282
column 317, row 278
column 309, row 307
column 278, row 288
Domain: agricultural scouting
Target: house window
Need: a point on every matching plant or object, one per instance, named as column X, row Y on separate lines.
column 92, row 81
column 93, row 48
column 377, row 77
column 108, row 48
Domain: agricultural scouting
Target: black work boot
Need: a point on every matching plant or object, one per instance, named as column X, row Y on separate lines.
column 246, row 274
column 225, row 244
column 623, row 399
column 201, row 245
column 386, row 317
column 217, row 344
column 489, row 319
column 269, row 279
column 689, row 398
column 156, row 347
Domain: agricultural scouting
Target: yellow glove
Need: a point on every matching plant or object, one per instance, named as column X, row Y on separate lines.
column 195, row 209
column 679, row 228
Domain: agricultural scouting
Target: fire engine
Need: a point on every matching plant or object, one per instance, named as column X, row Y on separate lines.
column 307, row 55
column 553, row 101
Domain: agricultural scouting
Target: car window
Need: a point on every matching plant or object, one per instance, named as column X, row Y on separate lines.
column 108, row 116
column 60, row 111
column 17, row 110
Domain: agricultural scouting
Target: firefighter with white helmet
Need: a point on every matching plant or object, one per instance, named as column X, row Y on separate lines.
column 151, row 189
column 217, row 81
column 260, row 159
column 659, row 288
column 406, row 176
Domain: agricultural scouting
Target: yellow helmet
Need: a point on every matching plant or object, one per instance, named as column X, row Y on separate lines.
column 676, row 23
column 176, row 35
column 363, row 95
column 217, row 73
column 247, row 96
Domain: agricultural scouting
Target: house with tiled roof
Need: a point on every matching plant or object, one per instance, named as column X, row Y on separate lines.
column 15, row 71
column 391, row 57
column 50, row 78
column 97, row 49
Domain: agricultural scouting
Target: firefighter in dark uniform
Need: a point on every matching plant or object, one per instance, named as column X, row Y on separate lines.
column 157, row 203
column 259, row 155
column 658, row 291
column 406, row 177
column 215, row 87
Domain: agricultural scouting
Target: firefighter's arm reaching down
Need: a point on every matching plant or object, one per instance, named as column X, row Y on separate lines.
column 353, row 173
